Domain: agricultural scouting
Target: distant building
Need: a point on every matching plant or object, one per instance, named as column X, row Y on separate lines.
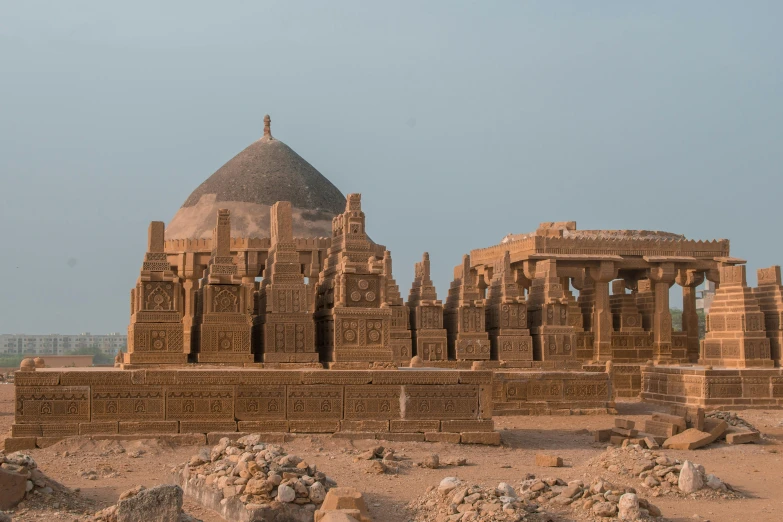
column 57, row 344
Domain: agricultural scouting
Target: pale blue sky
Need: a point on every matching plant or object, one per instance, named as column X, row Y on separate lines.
column 459, row 122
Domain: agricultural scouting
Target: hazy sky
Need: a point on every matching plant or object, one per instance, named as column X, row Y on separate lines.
column 459, row 122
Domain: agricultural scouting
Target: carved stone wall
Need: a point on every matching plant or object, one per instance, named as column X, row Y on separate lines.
column 770, row 297
column 58, row 403
column 426, row 315
column 718, row 388
column 464, row 317
column 535, row 393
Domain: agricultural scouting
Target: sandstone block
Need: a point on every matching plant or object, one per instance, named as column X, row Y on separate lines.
column 743, row 437
column 663, row 429
column 602, row 435
column 490, row 438
column 548, row 461
column 625, row 424
column 438, row 436
column 671, row 419
column 715, row 427
column 617, row 440
column 625, row 432
column 400, row 437
column 344, row 499
column 354, row 435
column 456, row 426
column 19, row 443
column 688, row 439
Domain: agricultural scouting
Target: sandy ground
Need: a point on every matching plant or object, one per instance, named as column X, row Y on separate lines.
column 754, row 469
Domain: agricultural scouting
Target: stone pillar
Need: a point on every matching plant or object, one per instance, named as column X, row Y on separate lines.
column 689, row 280
column 770, row 296
column 602, row 275
column 662, row 278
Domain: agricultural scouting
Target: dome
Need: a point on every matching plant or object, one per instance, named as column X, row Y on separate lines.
column 264, row 173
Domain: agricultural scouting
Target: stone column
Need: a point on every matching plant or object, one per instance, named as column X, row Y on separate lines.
column 689, row 280
column 662, row 278
column 602, row 275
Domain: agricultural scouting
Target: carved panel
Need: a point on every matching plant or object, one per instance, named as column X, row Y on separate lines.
column 127, row 403
column 199, row 403
column 52, row 404
column 159, row 296
column 260, row 402
column 372, row 402
column 315, row 402
column 363, row 291
column 225, row 299
column 440, row 402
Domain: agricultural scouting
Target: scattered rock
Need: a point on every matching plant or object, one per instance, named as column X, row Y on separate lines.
column 431, row 461
column 548, row 461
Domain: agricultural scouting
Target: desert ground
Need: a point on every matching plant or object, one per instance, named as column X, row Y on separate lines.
column 101, row 470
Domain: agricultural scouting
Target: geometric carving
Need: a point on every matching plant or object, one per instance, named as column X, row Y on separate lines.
column 507, row 316
column 127, row 403
column 372, row 402
column 426, row 315
column 186, row 403
column 36, row 404
column 434, row 402
column 770, row 297
column 260, row 402
column 314, row 402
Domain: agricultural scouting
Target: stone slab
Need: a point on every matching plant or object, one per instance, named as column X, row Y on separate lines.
column 489, row 438
column 19, row 443
column 548, row 461
column 688, row 440
column 438, row 436
column 743, row 437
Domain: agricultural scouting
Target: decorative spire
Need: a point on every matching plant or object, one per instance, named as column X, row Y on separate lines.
column 268, row 127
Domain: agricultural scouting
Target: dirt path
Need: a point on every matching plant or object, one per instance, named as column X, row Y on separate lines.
column 756, row 470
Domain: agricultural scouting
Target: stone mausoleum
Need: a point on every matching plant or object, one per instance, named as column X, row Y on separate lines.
column 265, row 306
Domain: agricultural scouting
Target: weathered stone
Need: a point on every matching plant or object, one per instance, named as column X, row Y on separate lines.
column 628, row 507
column 742, row 436
column 344, row 499
column 690, row 478
column 285, row 493
column 548, row 461
column 161, row 503
column 688, row 439
column 431, row 461
column 12, row 488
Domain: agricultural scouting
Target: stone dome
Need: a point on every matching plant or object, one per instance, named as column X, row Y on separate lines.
column 265, row 172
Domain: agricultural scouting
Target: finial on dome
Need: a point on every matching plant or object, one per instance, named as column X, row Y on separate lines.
column 267, row 127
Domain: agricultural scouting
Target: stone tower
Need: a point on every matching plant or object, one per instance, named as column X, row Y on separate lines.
column 506, row 317
column 735, row 325
column 770, row 296
column 353, row 314
column 464, row 316
column 553, row 335
column 426, row 315
column 155, row 332
column 226, row 305
column 285, row 307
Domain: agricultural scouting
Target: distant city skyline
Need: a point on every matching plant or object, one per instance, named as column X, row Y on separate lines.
column 499, row 116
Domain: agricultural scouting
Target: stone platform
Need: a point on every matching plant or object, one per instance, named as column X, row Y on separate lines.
column 626, row 378
column 713, row 388
column 408, row 404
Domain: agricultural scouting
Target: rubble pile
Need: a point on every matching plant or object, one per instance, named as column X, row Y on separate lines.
column 681, row 429
column 534, row 499
column 661, row 475
column 24, row 487
column 260, row 476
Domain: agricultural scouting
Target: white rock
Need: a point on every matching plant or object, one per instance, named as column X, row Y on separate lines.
column 285, row 494
column 690, row 479
column 448, row 484
column 505, row 490
column 713, row 482
column 628, row 507
column 317, row 492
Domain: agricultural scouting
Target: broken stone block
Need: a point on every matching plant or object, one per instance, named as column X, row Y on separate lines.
column 490, row 438
column 161, row 503
column 625, row 432
column 625, row 424
column 617, row 440
column 344, row 499
column 548, row 461
column 715, row 427
column 651, row 443
column 688, row 439
column 664, row 429
column 671, row 419
column 742, row 436
column 602, row 435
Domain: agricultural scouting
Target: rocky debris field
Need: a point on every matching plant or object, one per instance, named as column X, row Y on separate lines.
column 660, row 474
column 381, row 460
column 261, row 476
column 732, row 419
column 534, row 499
column 25, row 489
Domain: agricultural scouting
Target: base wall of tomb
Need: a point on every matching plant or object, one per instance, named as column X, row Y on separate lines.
column 54, row 404
column 626, row 378
column 713, row 389
column 550, row 393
